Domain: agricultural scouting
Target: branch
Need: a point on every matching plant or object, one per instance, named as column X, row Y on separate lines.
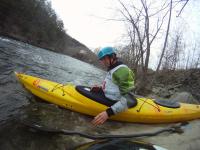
column 172, row 129
column 182, row 8
column 159, row 27
column 131, row 20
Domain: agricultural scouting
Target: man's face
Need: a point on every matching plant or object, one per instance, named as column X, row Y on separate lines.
column 105, row 61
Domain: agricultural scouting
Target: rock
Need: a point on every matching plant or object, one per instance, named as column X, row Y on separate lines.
column 184, row 97
column 161, row 92
column 188, row 140
column 164, row 93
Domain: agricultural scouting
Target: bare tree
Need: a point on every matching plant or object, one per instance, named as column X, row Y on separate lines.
column 173, row 52
column 168, row 27
column 197, row 63
column 145, row 22
column 142, row 32
column 194, row 58
column 166, row 37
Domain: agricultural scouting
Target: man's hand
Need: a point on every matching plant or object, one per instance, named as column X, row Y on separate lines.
column 95, row 89
column 100, row 118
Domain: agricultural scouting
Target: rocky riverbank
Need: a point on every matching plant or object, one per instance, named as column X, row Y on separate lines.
column 180, row 85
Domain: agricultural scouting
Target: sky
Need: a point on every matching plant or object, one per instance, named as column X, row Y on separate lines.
column 88, row 22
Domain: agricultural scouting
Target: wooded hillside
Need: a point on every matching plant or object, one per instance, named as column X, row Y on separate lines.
column 35, row 22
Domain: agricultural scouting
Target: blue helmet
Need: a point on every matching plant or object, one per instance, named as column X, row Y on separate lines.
column 106, row 51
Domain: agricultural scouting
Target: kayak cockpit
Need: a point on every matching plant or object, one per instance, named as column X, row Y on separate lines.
column 168, row 103
column 99, row 96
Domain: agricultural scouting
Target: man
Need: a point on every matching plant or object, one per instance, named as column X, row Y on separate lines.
column 117, row 85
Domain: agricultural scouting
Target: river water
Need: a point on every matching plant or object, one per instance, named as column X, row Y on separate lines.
column 18, row 106
column 21, row 57
column 16, row 102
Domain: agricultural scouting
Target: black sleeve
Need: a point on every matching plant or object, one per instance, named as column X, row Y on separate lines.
column 109, row 111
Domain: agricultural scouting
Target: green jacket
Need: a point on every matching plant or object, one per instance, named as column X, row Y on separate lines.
column 124, row 78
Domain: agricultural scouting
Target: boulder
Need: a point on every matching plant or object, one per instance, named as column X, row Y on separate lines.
column 184, row 97
column 160, row 91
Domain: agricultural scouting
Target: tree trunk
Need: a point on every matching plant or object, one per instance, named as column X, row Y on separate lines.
column 166, row 37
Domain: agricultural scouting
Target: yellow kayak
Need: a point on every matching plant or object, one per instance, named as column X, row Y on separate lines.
column 76, row 98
